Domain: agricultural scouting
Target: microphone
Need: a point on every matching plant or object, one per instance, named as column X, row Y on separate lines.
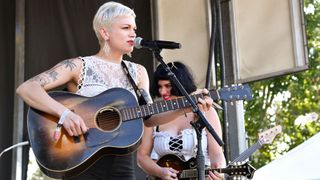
column 141, row 43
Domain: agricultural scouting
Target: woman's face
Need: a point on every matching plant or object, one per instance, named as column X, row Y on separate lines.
column 165, row 89
column 122, row 34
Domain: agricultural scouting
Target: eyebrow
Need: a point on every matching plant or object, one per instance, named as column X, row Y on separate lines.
column 126, row 24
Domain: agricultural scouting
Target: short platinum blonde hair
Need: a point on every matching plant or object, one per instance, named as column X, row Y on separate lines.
column 106, row 14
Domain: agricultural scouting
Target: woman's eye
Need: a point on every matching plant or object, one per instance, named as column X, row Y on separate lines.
column 168, row 86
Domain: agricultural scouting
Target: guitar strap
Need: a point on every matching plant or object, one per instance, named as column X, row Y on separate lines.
column 140, row 93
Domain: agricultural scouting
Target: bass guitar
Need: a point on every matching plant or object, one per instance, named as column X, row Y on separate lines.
column 265, row 137
column 187, row 169
column 115, row 126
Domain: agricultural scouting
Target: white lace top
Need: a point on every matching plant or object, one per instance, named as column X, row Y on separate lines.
column 183, row 145
column 98, row 75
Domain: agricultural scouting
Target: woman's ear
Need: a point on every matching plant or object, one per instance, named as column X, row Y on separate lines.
column 104, row 33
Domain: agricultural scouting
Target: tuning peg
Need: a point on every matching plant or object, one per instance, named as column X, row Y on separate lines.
column 238, row 97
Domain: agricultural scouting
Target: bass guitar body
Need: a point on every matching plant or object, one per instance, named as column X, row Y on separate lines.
column 108, row 132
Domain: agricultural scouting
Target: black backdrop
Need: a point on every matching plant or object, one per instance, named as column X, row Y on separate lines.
column 54, row 30
column 7, row 37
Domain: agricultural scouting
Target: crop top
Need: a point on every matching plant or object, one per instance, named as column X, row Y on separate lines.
column 183, row 145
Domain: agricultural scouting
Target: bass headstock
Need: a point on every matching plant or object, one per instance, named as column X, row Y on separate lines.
column 267, row 136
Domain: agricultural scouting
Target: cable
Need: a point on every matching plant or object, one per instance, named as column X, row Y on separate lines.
column 14, row 146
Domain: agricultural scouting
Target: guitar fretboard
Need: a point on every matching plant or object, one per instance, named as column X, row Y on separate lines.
column 232, row 170
column 246, row 154
column 162, row 106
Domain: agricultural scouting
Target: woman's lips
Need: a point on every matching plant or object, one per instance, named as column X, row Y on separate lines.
column 166, row 97
column 130, row 43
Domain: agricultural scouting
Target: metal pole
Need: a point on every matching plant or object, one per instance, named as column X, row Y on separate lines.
column 19, row 78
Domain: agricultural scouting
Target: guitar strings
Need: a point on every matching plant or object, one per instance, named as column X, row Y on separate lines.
column 108, row 121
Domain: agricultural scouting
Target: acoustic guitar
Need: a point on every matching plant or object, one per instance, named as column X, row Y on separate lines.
column 188, row 169
column 115, row 126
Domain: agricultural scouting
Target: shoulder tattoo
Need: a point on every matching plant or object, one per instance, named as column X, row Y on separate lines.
column 68, row 64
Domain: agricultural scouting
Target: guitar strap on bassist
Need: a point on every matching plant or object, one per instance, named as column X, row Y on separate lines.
column 141, row 93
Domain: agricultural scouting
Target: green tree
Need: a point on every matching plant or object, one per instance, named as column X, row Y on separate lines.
column 280, row 101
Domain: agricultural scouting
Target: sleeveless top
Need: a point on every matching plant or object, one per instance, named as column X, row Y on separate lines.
column 183, row 145
column 98, row 75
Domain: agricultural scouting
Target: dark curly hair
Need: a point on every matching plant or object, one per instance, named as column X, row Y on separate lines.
column 182, row 73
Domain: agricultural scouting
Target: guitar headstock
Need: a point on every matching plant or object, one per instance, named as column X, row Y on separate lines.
column 235, row 92
column 267, row 136
column 241, row 169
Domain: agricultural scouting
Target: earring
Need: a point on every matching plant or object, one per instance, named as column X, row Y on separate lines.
column 106, row 49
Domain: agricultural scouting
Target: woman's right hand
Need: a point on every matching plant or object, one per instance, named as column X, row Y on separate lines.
column 74, row 124
column 168, row 173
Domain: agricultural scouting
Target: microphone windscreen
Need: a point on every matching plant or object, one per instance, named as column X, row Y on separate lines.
column 137, row 42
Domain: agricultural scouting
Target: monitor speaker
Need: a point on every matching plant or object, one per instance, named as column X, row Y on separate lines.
column 185, row 22
column 268, row 38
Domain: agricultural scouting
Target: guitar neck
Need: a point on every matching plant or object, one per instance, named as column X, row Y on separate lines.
column 247, row 153
column 162, row 106
column 192, row 173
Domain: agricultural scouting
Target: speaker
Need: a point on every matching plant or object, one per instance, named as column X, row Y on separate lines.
column 185, row 22
column 268, row 38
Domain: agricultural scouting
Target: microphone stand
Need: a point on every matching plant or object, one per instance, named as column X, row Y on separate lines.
column 198, row 125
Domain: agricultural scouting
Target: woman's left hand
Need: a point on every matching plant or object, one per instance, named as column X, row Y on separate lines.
column 214, row 176
column 205, row 103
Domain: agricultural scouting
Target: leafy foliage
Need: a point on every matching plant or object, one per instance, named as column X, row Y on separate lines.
column 284, row 100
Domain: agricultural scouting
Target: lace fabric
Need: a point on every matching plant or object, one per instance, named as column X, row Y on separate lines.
column 98, row 75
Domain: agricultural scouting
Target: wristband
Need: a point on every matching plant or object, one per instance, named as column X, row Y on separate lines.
column 63, row 116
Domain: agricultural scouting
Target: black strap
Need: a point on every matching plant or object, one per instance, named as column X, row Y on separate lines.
column 141, row 98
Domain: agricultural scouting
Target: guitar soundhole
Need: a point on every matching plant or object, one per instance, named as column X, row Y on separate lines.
column 108, row 119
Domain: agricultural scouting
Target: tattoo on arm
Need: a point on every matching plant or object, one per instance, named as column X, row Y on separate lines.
column 52, row 75
column 42, row 79
column 68, row 63
column 45, row 78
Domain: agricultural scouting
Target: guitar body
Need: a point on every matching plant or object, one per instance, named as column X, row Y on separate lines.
column 176, row 163
column 107, row 134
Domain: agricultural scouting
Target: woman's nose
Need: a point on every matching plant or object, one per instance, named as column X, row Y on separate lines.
column 162, row 91
column 133, row 33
